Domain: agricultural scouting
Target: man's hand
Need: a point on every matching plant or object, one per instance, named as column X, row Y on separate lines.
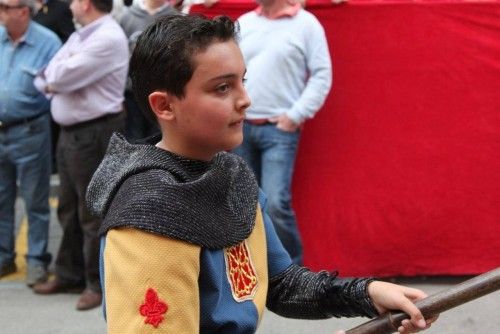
column 49, row 89
column 284, row 123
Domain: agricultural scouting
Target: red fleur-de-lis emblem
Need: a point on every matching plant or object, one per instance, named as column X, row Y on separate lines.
column 153, row 308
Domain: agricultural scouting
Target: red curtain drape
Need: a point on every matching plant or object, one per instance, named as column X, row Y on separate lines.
column 399, row 173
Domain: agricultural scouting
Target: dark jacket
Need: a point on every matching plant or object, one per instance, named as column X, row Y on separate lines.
column 56, row 16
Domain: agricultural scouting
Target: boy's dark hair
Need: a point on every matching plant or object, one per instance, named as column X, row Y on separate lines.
column 163, row 56
column 104, row 6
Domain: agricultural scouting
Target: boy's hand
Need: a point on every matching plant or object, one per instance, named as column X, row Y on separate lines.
column 389, row 297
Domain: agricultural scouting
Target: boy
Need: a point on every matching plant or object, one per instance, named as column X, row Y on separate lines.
column 188, row 246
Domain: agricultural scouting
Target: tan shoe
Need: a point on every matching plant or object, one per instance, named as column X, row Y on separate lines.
column 57, row 286
column 88, row 300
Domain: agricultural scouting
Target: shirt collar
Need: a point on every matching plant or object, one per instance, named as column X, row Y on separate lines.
column 4, row 35
column 87, row 30
column 28, row 35
column 290, row 11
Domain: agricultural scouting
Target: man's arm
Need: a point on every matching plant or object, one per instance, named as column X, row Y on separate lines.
column 320, row 76
column 79, row 69
column 49, row 54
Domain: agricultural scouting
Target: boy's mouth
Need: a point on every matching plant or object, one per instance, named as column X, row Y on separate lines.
column 237, row 122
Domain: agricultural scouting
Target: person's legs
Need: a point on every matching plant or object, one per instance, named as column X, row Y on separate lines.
column 85, row 163
column 88, row 146
column 271, row 155
column 279, row 150
column 80, row 151
column 88, row 162
column 249, row 151
column 54, row 131
column 7, row 201
column 32, row 156
column 69, row 261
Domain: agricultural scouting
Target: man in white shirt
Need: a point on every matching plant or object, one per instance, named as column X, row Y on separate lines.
column 288, row 79
column 86, row 80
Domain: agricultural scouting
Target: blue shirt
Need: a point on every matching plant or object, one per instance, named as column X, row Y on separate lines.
column 19, row 65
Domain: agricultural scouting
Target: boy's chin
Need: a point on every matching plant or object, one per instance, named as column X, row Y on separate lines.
column 234, row 145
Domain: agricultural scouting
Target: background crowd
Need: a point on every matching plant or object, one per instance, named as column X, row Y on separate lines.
column 64, row 92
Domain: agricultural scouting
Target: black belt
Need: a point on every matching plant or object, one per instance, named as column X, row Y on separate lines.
column 258, row 121
column 6, row 125
column 85, row 124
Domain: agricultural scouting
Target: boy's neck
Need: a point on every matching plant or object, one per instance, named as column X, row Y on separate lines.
column 190, row 154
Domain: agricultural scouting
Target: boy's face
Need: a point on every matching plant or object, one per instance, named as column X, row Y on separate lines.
column 209, row 118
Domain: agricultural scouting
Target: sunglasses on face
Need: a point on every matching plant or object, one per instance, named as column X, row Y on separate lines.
column 5, row 7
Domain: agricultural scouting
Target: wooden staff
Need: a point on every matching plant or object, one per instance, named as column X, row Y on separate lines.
column 442, row 301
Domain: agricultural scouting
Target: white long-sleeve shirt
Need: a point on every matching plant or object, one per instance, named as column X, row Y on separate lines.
column 88, row 74
column 288, row 65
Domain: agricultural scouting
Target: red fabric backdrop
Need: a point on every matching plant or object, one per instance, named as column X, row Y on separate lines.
column 399, row 173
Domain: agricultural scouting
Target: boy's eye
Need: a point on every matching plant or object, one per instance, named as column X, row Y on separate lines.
column 222, row 88
column 244, row 80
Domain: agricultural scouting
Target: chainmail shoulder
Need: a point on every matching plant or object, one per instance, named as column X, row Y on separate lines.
column 299, row 293
column 212, row 204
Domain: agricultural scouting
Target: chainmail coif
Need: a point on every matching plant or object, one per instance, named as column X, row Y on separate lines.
column 212, row 204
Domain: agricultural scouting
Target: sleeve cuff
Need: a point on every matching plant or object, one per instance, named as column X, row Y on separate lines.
column 360, row 294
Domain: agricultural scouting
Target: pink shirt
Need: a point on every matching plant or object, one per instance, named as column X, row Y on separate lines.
column 88, row 74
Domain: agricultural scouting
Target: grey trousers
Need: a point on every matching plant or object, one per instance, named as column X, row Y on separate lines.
column 80, row 150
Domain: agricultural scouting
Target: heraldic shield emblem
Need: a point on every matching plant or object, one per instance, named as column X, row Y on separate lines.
column 240, row 272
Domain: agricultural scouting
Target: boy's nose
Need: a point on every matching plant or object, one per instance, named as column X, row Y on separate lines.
column 243, row 102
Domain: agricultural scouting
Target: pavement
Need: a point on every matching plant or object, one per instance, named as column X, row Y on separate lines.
column 23, row 312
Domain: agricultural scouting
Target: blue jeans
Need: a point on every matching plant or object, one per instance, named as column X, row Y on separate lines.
column 25, row 158
column 271, row 153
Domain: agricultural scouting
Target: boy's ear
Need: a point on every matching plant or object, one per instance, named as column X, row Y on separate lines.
column 161, row 105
